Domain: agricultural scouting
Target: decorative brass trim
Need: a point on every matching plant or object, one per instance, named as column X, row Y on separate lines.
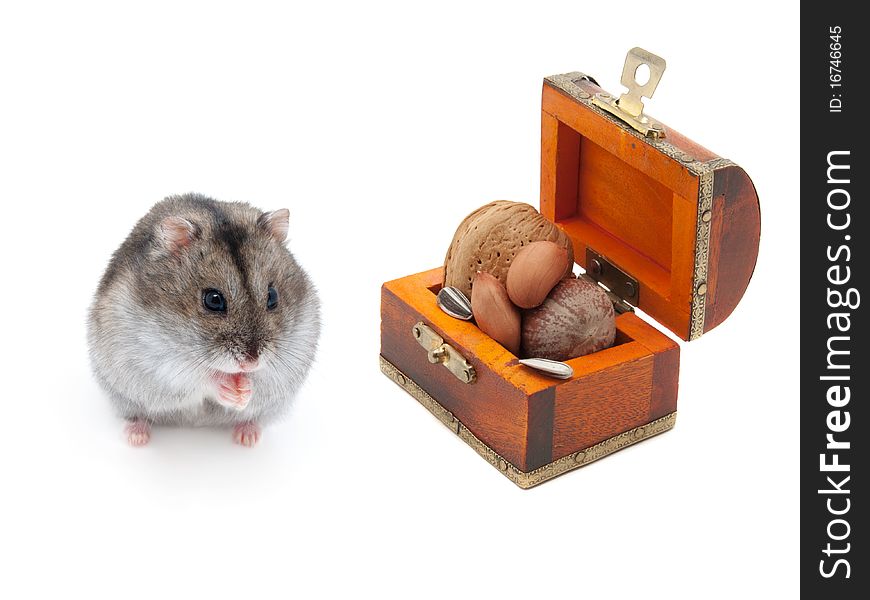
column 542, row 474
column 569, row 84
column 706, row 173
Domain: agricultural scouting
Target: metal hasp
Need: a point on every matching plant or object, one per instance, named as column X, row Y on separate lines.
column 629, row 106
column 624, row 289
column 439, row 352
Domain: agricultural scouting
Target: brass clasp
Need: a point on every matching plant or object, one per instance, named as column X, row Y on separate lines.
column 439, row 352
column 629, row 106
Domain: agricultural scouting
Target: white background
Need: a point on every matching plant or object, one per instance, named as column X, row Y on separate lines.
column 379, row 126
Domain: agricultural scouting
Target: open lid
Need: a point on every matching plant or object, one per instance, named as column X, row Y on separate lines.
column 663, row 222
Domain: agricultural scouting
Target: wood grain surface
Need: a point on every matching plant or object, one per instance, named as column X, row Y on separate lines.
column 600, row 405
column 734, row 239
column 638, row 207
column 529, row 419
column 629, row 202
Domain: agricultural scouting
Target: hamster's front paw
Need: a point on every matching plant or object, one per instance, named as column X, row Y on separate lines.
column 246, row 434
column 138, row 432
column 234, row 391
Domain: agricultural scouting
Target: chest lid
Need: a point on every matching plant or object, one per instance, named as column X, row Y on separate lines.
column 666, row 224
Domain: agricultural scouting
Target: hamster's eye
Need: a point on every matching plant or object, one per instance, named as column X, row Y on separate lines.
column 272, row 299
column 214, row 301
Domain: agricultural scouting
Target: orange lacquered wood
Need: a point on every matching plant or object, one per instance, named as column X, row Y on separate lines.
column 666, row 365
column 527, row 418
column 601, row 405
column 625, row 202
column 615, row 194
column 608, row 402
column 734, row 240
column 492, row 409
column 614, row 139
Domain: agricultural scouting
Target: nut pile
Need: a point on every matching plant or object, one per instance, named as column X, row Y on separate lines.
column 489, row 239
column 516, row 267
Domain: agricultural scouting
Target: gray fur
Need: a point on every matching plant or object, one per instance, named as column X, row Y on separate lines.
column 154, row 348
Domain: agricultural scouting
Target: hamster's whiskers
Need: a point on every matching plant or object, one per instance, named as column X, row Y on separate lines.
column 201, row 359
column 282, row 361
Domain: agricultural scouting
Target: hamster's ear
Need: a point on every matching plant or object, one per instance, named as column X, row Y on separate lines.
column 276, row 223
column 176, row 233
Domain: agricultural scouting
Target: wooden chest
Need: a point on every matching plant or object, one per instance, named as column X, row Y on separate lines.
column 665, row 224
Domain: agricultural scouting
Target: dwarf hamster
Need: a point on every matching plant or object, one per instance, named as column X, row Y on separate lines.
column 203, row 317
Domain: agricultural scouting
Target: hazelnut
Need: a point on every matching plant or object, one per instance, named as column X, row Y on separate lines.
column 577, row 318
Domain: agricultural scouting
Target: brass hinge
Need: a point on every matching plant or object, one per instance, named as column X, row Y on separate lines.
column 622, row 289
column 439, row 352
column 629, row 106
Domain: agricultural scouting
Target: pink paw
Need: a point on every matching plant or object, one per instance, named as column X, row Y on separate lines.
column 246, row 434
column 234, row 391
column 138, row 432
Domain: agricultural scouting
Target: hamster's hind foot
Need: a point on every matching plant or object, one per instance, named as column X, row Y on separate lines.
column 246, row 434
column 138, row 432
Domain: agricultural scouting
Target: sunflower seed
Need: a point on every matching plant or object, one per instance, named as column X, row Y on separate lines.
column 454, row 303
column 553, row 368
